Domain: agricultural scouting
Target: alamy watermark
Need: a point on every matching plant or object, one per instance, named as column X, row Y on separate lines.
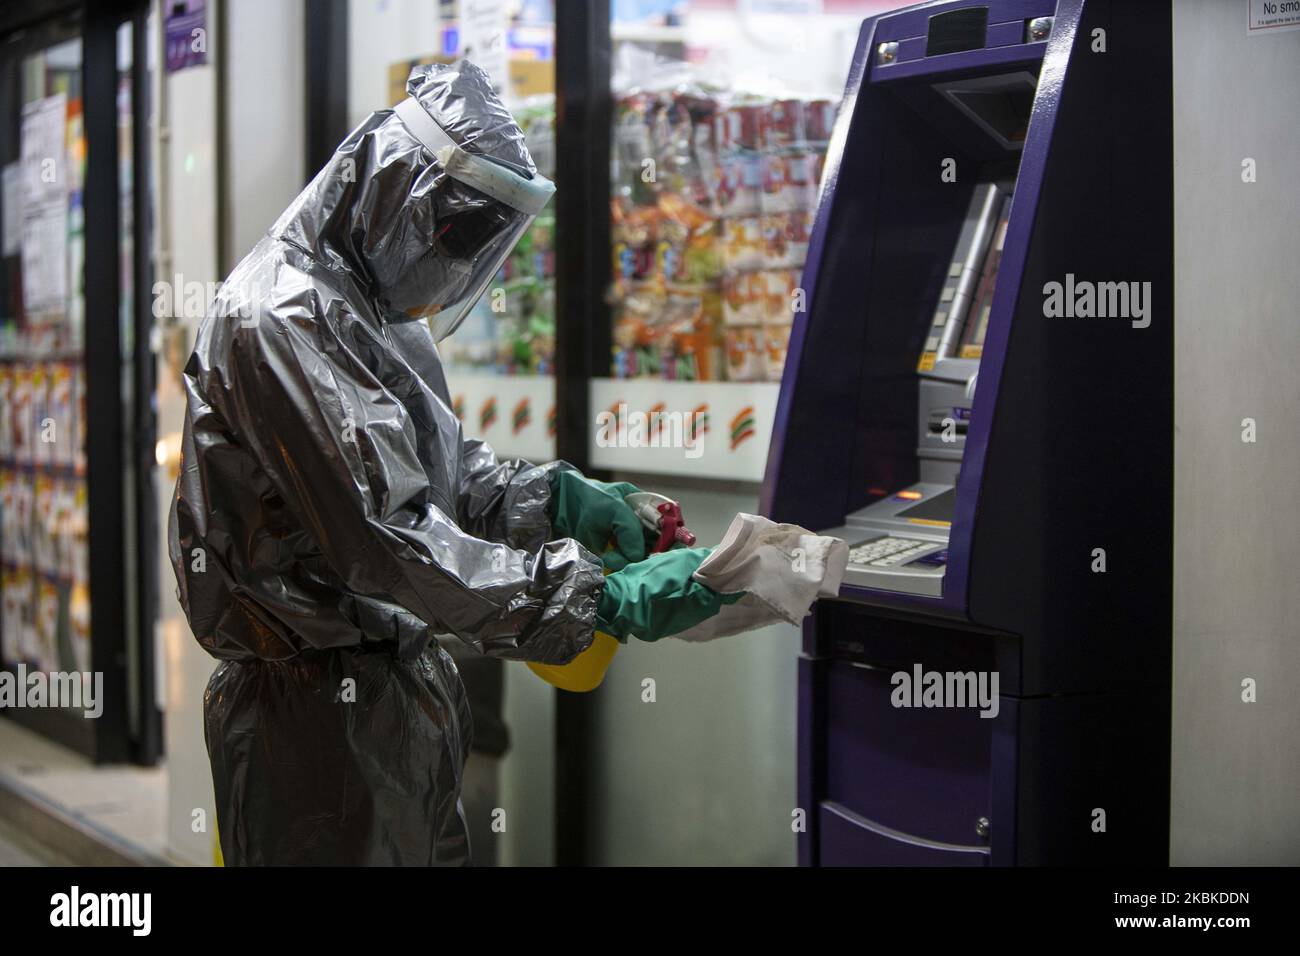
column 1083, row 299
column 74, row 908
column 71, row 690
column 191, row 299
column 620, row 427
column 922, row 688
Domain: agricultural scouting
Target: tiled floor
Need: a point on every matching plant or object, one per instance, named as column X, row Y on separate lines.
column 18, row 849
column 126, row 801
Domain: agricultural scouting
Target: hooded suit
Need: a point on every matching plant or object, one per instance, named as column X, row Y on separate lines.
column 330, row 515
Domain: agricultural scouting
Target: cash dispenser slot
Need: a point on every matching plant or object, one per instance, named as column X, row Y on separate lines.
column 906, row 784
column 945, row 420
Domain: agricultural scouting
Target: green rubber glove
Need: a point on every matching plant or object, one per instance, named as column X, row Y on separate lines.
column 595, row 515
column 658, row 597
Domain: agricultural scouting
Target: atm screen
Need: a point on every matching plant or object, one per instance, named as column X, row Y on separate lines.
column 961, row 316
column 977, row 317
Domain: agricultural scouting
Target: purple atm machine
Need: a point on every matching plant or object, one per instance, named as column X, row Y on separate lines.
column 979, row 400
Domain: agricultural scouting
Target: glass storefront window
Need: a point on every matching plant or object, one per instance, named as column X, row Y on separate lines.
column 500, row 363
column 44, row 564
column 721, row 119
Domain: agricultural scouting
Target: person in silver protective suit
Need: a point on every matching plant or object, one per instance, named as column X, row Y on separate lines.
column 330, row 516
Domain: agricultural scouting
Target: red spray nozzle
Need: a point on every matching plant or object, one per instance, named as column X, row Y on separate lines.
column 672, row 528
column 663, row 517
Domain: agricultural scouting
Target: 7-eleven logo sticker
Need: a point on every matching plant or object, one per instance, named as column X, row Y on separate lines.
column 657, row 419
column 458, row 407
column 618, row 414
column 742, row 427
column 699, row 423
column 551, row 422
column 487, row 415
column 521, row 417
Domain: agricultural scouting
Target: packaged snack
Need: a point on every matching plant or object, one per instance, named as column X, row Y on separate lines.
column 818, row 121
column 801, row 179
column 632, row 150
column 22, row 413
column 44, row 428
column 8, row 516
column 818, row 160
column 737, row 125
column 785, row 239
column 709, row 342
column 80, row 520
column 689, row 342
column 11, row 624
column 775, row 198
column 776, row 237
column 65, row 529
column 44, row 558
column 19, row 522
column 798, row 234
column 743, row 246
column 671, row 266
column 782, row 124
column 6, row 411
column 744, row 298
column 789, row 184
column 45, row 653
column 738, row 181
column 687, row 250
column 633, row 231
column 29, row 645
column 60, row 409
column 79, row 391
column 779, row 286
column 79, row 624
column 744, row 347
column 636, row 334
column 776, row 340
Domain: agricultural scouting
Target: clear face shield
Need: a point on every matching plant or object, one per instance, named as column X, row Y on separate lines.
column 474, row 236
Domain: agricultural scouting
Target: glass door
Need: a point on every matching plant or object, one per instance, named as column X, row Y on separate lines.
column 44, row 511
column 74, row 639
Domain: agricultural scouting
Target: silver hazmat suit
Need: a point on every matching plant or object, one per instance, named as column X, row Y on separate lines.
column 330, row 516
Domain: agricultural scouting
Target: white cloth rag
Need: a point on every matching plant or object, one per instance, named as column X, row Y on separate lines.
column 781, row 569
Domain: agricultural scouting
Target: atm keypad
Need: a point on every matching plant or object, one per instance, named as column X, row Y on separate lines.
column 888, row 551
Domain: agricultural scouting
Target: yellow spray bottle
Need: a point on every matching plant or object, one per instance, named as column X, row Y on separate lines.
column 584, row 672
column 661, row 516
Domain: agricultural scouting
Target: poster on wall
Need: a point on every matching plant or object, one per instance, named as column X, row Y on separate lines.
column 11, row 198
column 186, row 31
column 483, row 38
column 45, row 189
column 1271, row 16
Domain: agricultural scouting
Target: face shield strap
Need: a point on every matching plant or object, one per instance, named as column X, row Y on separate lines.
column 526, row 195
